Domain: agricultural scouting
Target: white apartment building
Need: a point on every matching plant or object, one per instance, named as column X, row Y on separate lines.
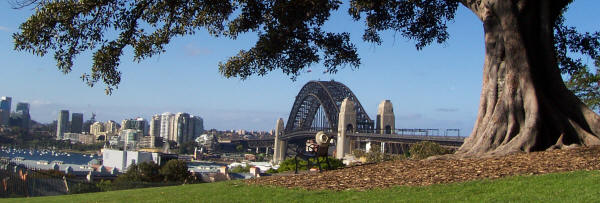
column 166, row 122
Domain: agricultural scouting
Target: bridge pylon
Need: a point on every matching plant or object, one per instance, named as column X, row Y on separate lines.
column 280, row 147
column 346, row 124
column 386, row 122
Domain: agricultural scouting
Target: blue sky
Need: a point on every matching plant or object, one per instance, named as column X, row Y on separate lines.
column 437, row 87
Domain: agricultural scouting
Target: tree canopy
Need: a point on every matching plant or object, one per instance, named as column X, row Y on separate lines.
column 290, row 35
column 583, row 80
column 175, row 170
column 142, row 172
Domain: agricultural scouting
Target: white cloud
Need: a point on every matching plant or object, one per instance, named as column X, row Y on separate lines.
column 6, row 29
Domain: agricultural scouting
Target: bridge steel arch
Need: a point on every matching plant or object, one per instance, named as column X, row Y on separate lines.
column 329, row 95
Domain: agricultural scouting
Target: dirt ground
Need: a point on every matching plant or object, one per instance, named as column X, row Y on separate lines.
column 427, row 172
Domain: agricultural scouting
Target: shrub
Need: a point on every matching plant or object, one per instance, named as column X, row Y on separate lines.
column 424, row 149
column 260, row 157
column 271, row 171
column 359, row 153
column 375, row 156
column 290, row 165
column 334, row 163
column 393, row 157
column 240, row 169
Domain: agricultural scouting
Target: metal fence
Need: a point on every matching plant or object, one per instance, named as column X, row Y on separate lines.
column 20, row 181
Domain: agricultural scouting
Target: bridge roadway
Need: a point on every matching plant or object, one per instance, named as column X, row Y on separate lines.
column 455, row 141
column 442, row 140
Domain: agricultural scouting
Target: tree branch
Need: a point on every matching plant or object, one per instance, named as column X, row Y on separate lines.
column 474, row 6
column 558, row 7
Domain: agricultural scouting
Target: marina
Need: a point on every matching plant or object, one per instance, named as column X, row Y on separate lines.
column 47, row 155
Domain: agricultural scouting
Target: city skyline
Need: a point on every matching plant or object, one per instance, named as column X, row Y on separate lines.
column 438, row 87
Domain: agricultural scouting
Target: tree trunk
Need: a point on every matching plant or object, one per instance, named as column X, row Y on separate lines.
column 524, row 104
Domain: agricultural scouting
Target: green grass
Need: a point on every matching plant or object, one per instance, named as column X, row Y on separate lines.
column 580, row 186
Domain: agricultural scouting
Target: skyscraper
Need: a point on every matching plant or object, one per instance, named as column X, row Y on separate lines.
column 23, row 113
column 181, row 128
column 5, row 103
column 135, row 124
column 24, row 107
column 166, row 120
column 198, row 126
column 5, row 110
column 4, row 118
column 130, row 137
column 155, row 126
column 76, row 122
column 111, row 127
column 87, row 124
column 97, row 129
column 141, row 124
column 61, row 126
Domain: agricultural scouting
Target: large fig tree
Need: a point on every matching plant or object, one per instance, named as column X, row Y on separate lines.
column 525, row 106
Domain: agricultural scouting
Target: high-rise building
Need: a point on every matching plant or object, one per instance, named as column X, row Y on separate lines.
column 130, row 137
column 241, row 132
column 181, row 128
column 21, row 116
column 5, row 103
column 61, row 127
column 76, row 122
column 111, row 127
column 155, row 126
column 166, row 121
column 126, row 124
column 88, row 123
column 139, row 124
column 198, row 126
column 150, row 142
column 97, row 129
column 4, row 118
column 23, row 107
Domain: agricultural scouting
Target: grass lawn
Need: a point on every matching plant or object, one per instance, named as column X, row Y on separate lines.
column 580, row 186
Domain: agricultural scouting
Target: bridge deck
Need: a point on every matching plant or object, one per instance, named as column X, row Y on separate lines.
column 406, row 138
column 446, row 140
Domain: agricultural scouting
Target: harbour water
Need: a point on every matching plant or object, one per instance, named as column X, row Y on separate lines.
column 47, row 155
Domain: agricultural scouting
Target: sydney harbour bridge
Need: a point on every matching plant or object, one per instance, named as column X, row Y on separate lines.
column 331, row 107
column 317, row 108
